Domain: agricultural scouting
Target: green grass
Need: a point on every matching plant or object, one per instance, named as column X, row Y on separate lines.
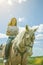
column 1, row 63
column 32, row 60
column 36, row 60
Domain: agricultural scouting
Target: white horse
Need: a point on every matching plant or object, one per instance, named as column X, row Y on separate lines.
column 22, row 47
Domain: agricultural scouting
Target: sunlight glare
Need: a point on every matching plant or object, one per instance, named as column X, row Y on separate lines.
column 1, row 2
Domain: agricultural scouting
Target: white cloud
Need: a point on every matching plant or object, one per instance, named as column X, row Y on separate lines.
column 21, row 29
column 36, row 42
column 37, row 51
column 3, row 35
column 37, row 45
column 39, row 36
column 40, row 28
column 39, row 31
column 35, row 27
column 21, row 19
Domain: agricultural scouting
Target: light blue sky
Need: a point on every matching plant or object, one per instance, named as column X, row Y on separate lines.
column 30, row 12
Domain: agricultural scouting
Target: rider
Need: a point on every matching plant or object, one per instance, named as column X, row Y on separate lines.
column 12, row 31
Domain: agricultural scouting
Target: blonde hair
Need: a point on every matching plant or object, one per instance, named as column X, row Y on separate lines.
column 13, row 22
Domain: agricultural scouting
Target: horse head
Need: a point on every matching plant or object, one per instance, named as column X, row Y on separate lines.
column 28, row 39
column 29, row 36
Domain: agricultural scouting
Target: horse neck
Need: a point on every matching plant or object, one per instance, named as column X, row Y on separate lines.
column 20, row 37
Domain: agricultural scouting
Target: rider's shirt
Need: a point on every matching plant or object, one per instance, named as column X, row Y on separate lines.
column 12, row 31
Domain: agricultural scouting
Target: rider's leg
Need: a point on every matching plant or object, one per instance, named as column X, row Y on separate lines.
column 7, row 48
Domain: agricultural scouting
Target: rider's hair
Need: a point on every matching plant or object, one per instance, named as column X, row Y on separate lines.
column 13, row 22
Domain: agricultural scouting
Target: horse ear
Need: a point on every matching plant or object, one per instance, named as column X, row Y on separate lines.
column 35, row 29
column 27, row 28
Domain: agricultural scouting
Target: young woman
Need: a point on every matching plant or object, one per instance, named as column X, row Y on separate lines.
column 12, row 32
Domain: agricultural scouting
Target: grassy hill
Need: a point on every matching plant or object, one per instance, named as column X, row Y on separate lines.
column 35, row 60
column 32, row 60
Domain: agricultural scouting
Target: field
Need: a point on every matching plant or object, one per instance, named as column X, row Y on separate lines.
column 32, row 61
column 36, row 60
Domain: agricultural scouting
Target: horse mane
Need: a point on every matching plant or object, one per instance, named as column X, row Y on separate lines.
column 18, row 38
